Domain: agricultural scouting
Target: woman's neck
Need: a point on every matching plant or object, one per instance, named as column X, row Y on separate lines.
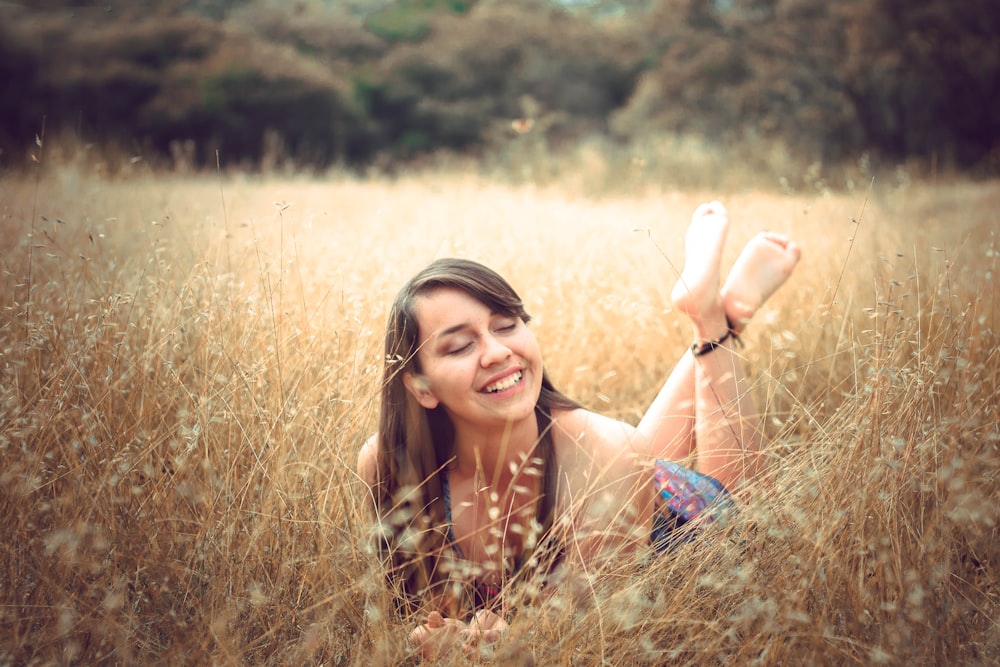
column 490, row 453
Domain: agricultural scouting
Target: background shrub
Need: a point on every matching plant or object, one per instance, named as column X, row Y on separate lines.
column 396, row 80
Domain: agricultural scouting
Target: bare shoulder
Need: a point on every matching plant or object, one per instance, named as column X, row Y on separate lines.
column 368, row 461
column 594, row 436
column 602, row 481
column 594, row 450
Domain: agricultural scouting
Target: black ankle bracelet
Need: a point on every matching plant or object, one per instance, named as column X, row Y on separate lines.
column 701, row 349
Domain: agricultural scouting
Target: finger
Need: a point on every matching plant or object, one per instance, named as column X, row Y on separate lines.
column 472, row 636
column 434, row 642
column 424, row 634
column 419, row 635
column 489, row 620
column 470, row 644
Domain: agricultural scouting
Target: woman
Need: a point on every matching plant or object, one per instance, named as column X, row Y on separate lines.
column 481, row 470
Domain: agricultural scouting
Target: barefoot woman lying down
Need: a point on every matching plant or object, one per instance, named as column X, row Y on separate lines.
column 482, row 470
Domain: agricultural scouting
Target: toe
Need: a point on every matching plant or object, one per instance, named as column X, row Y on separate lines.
column 710, row 208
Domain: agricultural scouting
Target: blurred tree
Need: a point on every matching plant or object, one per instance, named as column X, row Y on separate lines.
column 215, row 9
column 831, row 80
column 410, row 20
column 157, row 80
column 924, row 79
column 472, row 71
column 347, row 81
column 245, row 91
column 322, row 31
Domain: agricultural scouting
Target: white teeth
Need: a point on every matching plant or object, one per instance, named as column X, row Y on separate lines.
column 505, row 383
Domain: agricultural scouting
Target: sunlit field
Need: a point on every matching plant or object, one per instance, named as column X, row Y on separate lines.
column 190, row 365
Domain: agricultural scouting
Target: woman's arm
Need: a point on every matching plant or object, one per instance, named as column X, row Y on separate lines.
column 368, row 471
column 440, row 636
column 605, row 489
column 368, row 461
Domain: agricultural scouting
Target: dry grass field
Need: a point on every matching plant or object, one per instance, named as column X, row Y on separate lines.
column 188, row 366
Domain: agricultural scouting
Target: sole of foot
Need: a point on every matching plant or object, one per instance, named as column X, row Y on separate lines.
column 762, row 267
column 696, row 293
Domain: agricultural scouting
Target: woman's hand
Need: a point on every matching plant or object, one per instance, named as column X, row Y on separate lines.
column 485, row 627
column 439, row 635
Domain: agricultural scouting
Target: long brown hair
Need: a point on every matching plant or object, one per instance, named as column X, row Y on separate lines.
column 415, row 444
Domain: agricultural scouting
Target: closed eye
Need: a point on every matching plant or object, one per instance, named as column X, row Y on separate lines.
column 459, row 350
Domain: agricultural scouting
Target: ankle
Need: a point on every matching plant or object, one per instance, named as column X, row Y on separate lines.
column 738, row 313
column 704, row 345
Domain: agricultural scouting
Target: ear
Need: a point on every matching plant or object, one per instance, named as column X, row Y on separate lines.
column 421, row 390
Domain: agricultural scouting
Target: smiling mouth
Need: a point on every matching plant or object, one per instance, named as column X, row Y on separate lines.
column 505, row 383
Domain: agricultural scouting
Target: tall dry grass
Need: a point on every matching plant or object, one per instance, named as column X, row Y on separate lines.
column 189, row 366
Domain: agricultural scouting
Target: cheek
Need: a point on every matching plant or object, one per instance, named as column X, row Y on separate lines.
column 531, row 343
column 532, row 352
column 444, row 372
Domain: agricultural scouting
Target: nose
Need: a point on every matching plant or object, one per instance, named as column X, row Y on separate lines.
column 494, row 351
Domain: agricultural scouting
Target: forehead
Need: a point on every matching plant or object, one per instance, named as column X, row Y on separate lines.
column 441, row 308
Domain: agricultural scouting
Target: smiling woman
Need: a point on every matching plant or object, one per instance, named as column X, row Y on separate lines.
column 482, row 367
column 481, row 469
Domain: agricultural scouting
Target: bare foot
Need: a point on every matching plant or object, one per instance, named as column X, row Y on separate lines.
column 696, row 293
column 762, row 267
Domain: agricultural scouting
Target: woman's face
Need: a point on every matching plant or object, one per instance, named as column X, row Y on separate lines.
column 484, row 368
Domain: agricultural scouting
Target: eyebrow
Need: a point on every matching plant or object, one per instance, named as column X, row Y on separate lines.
column 455, row 328
column 450, row 330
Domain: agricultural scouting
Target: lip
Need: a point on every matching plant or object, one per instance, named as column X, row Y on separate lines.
column 501, row 376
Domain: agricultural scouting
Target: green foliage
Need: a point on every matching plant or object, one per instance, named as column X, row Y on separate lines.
column 935, row 89
column 410, row 20
column 316, row 30
column 466, row 81
column 246, row 90
column 831, row 81
column 415, row 140
column 899, row 79
column 20, row 92
column 366, row 90
column 217, row 89
column 167, row 79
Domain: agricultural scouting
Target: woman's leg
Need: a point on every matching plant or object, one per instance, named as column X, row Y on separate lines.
column 727, row 424
column 668, row 425
column 762, row 267
column 726, row 433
